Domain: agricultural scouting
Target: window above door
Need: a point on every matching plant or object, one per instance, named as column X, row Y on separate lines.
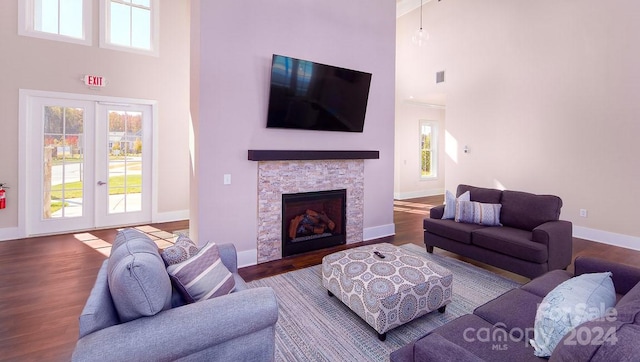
column 130, row 25
column 61, row 20
column 125, row 25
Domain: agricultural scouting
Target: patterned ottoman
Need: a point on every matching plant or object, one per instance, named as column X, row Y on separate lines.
column 386, row 292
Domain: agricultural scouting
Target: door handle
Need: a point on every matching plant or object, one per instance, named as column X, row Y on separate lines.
column 100, row 183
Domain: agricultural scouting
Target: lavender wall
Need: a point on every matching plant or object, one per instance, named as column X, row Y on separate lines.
column 230, row 89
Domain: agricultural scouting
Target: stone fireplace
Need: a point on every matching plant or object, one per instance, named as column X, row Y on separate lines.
column 278, row 178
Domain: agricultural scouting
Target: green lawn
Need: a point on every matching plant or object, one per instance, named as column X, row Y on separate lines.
column 73, row 190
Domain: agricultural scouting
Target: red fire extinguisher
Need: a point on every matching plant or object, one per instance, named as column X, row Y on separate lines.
column 3, row 199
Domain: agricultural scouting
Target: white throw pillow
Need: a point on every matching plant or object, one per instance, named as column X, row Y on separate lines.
column 573, row 302
column 450, row 203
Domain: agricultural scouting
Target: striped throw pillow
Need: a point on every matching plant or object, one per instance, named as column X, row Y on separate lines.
column 478, row 213
column 202, row 276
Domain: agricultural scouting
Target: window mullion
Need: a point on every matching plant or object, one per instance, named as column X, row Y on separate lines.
column 59, row 10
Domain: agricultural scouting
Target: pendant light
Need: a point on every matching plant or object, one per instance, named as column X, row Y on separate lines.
column 420, row 36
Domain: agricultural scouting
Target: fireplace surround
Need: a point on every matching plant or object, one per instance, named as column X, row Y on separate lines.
column 276, row 178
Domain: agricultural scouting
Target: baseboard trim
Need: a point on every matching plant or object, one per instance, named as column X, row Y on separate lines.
column 250, row 257
column 170, row 216
column 606, row 237
column 415, row 194
column 377, row 232
column 247, row 258
column 10, row 233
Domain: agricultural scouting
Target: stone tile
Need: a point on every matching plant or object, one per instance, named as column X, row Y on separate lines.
column 282, row 177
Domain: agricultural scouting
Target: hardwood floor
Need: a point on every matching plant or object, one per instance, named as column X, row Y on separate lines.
column 45, row 281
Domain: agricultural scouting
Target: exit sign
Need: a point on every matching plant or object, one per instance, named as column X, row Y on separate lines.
column 94, row 81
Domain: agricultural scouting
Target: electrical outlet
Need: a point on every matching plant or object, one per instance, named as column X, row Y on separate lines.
column 227, row 179
column 583, row 212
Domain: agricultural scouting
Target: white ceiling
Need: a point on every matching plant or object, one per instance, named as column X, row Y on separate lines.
column 406, row 6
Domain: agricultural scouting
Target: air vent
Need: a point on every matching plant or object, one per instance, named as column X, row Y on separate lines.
column 440, row 76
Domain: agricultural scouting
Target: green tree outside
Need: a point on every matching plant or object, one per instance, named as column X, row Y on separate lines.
column 426, row 155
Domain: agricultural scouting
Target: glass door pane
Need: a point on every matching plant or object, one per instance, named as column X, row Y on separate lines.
column 63, row 160
column 125, row 161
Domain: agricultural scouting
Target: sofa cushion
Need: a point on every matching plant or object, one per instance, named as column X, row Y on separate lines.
column 481, row 194
column 450, row 229
column 477, row 213
column 526, row 211
column 99, row 311
column 544, row 284
column 578, row 300
column 181, row 250
column 604, row 339
column 451, row 204
column 512, row 242
column 436, row 348
column 202, row 276
column 628, row 307
column 625, row 348
column 137, row 277
column 485, row 340
column 513, row 309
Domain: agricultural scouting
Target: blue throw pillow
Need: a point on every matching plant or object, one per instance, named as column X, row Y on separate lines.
column 580, row 299
column 138, row 281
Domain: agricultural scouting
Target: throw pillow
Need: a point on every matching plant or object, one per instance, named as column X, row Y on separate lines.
column 202, row 276
column 573, row 302
column 138, row 281
column 181, row 250
column 472, row 212
column 450, row 203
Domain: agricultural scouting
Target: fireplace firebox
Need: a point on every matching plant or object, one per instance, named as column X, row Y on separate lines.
column 313, row 221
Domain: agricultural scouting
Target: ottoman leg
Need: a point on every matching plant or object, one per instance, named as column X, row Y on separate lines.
column 329, row 292
column 442, row 309
column 430, row 249
column 382, row 336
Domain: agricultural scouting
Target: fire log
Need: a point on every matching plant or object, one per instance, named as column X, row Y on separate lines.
column 293, row 226
column 325, row 219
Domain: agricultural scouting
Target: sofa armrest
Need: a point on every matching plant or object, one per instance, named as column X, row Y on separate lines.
column 624, row 276
column 436, row 212
column 557, row 236
column 229, row 256
column 183, row 331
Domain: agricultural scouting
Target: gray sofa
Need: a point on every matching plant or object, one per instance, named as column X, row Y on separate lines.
column 514, row 313
column 239, row 326
column 531, row 241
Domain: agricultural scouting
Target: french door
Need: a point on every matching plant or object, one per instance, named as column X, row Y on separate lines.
column 88, row 164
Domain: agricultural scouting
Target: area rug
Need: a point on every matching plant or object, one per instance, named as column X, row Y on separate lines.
column 315, row 327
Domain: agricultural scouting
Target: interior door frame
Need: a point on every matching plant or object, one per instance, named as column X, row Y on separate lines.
column 25, row 99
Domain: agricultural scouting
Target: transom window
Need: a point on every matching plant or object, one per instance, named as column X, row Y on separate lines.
column 130, row 25
column 62, row 20
column 428, row 149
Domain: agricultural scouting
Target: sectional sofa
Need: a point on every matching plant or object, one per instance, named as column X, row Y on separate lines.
column 501, row 329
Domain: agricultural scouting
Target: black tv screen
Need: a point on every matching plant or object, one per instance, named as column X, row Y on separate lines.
column 314, row 96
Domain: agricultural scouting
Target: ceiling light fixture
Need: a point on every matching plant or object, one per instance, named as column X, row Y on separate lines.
column 420, row 36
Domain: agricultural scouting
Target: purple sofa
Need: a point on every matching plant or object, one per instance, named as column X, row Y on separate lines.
column 508, row 321
column 531, row 241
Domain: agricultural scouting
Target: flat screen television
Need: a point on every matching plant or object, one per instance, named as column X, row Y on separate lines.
column 314, row 96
